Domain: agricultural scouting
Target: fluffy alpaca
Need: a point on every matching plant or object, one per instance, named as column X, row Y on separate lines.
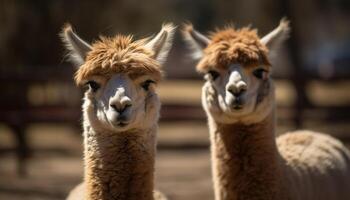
column 120, row 113
column 238, row 96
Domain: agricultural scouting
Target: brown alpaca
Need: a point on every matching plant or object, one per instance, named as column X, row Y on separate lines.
column 248, row 163
column 120, row 111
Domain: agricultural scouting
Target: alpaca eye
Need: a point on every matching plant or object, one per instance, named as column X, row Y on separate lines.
column 214, row 74
column 260, row 73
column 145, row 85
column 93, row 85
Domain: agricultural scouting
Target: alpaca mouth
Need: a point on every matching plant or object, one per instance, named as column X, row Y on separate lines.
column 122, row 124
column 122, row 121
column 237, row 107
column 237, row 104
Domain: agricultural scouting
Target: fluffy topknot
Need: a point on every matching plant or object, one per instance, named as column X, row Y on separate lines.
column 119, row 54
column 229, row 45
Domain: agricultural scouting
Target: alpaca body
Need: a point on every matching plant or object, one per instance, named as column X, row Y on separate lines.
column 245, row 164
column 119, row 166
column 79, row 191
column 317, row 166
column 248, row 162
column 120, row 113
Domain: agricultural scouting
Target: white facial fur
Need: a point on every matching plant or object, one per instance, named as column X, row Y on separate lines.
column 236, row 95
column 257, row 97
column 120, row 103
column 139, row 107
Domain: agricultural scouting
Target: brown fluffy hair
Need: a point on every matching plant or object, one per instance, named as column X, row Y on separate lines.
column 228, row 45
column 119, row 54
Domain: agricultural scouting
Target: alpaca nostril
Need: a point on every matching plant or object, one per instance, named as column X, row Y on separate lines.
column 120, row 109
column 237, row 92
column 125, row 107
column 114, row 107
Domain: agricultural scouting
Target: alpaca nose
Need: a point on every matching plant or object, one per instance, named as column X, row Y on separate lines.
column 237, row 89
column 121, row 106
column 119, row 109
column 236, row 93
column 120, row 102
column 236, row 85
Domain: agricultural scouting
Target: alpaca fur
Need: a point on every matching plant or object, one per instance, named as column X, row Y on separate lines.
column 233, row 46
column 119, row 157
column 119, row 55
column 248, row 162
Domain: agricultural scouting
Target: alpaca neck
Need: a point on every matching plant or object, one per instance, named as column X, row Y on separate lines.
column 245, row 160
column 119, row 165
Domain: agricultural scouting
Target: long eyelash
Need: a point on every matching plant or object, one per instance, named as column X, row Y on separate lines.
column 151, row 81
column 94, row 86
column 146, row 84
column 214, row 74
column 259, row 73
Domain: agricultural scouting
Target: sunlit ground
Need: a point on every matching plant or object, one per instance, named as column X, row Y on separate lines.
column 183, row 163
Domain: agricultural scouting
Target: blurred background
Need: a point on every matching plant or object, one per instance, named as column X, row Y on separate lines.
column 40, row 134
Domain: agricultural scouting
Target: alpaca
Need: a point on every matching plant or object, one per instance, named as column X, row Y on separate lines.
column 248, row 162
column 120, row 113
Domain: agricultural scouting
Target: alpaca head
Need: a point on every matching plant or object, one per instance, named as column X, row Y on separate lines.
column 236, row 67
column 120, row 76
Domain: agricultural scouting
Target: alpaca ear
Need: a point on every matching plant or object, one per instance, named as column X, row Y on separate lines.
column 162, row 42
column 274, row 39
column 197, row 41
column 77, row 47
